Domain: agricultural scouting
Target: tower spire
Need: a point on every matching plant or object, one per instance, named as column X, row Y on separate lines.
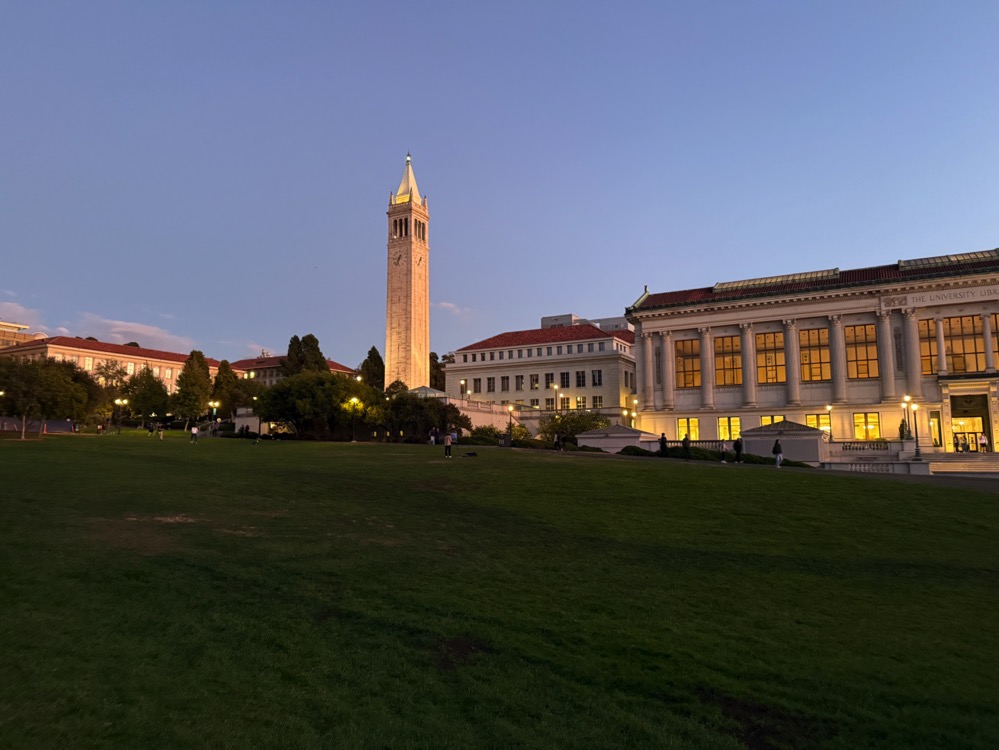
column 408, row 191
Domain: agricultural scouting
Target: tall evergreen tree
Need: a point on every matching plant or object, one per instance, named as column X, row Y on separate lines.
column 312, row 356
column 292, row 363
column 194, row 387
column 373, row 369
column 437, row 379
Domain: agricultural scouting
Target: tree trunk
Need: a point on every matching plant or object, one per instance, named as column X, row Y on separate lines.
column 24, row 426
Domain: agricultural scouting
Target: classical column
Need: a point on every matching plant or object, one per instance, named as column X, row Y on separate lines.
column 941, row 349
column 707, row 369
column 990, row 357
column 748, row 365
column 669, row 371
column 886, row 358
column 837, row 358
column 792, row 362
column 913, row 365
column 648, row 351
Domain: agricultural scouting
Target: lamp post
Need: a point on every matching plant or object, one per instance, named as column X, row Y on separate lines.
column 915, row 423
column 3, row 424
column 509, row 427
column 461, row 384
column 258, row 416
column 624, row 417
column 120, row 403
column 558, row 405
column 829, row 412
column 905, row 416
column 354, row 404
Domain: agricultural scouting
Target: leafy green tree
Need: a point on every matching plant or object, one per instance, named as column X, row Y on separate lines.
column 291, row 364
column 43, row 389
column 396, row 388
column 570, row 423
column 146, row 394
column 194, row 388
column 436, row 373
column 373, row 369
column 411, row 416
column 226, row 388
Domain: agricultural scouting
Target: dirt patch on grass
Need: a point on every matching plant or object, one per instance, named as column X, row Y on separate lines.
column 248, row 531
column 761, row 727
column 454, row 652
column 123, row 533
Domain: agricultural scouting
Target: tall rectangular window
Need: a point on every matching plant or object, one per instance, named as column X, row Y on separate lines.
column 563, row 380
column 771, row 419
column 549, row 379
column 534, row 382
column 596, row 378
column 476, row 385
column 490, row 385
column 563, row 403
column 535, row 402
column 861, row 351
column 866, row 426
column 770, row 364
column 965, row 342
column 167, row 373
column 598, row 402
column 558, row 349
column 580, row 378
column 518, row 382
column 548, row 349
column 928, row 346
column 580, row 402
column 550, row 404
column 88, row 363
column 688, row 363
column 729, row 428
column 505, row 383
column 814, row 347
column 728, row 360
column 130, row 368
column 688, row 427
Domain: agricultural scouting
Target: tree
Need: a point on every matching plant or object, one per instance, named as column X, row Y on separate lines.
column 318, row 405
column 226, row 388
column 437, row 379
column 304, row 355
column 410, row 415
column 43, row 389
column 146, row 394
column 194, row 388
column 396, row 388
column 373, row 369
column 569, row 424
column 112, row 375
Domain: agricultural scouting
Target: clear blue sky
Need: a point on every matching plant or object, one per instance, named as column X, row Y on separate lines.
column 215, row 175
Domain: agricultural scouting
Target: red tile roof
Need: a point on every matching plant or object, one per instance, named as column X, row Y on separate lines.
column 261, row 363
column 536, row 336
column 873, row 276
column 134, row 352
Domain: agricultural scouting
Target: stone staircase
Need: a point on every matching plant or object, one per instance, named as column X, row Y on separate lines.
column 963, row 463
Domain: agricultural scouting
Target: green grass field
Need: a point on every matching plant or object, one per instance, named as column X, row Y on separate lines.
column 159, row 594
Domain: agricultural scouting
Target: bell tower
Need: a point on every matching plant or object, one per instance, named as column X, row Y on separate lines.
column 407, row 309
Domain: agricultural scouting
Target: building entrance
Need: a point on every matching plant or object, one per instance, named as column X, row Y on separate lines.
column 969, row 419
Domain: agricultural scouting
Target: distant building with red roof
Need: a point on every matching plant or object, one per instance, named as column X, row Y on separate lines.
column 835, row 349
column 88, row 354
column 266, row 368
column 568, row 363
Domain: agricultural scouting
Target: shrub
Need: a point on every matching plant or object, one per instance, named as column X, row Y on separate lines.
column 634, row 450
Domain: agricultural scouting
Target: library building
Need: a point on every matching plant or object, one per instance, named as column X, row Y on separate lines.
column 907, row 349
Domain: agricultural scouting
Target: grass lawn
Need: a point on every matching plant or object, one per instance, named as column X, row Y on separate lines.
column 159, row 594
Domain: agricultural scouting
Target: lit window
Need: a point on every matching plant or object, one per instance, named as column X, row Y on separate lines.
column 729, row 428
column 770, row 366
column 688, row 427
column 688, row 363
column 580, row 402
column 862, row 351
column 728, row 360
column 534, row 382
column 598, row 402
column 813, row 344
column 867, row 426
column 771, row 419
column 818, row 421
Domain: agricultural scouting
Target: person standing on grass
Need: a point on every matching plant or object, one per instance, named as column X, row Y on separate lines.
column 686, row 447
column 778, row 452
column 194, row 434
column 737, row 447
column 557, row 445
column 723, row 452
column 447, row 445
column 662, row 445
column 159, row 429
